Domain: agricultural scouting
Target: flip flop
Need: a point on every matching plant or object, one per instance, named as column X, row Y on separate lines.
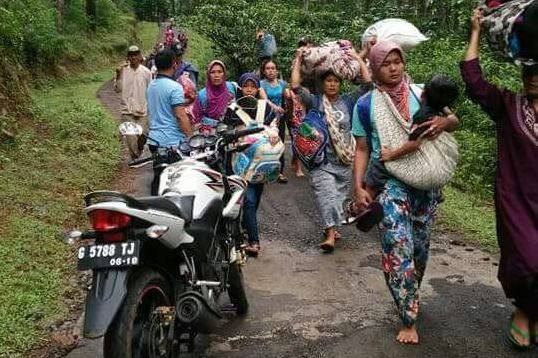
column 513, row 327
column 370, row 217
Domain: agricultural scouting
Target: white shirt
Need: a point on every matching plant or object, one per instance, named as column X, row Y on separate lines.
column 134, row 84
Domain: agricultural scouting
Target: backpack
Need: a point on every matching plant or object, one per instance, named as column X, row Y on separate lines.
column 311, row 139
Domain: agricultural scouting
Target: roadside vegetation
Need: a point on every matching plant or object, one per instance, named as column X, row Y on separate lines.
column 61, row 144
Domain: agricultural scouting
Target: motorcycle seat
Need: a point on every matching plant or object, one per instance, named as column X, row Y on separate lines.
column 177, row 205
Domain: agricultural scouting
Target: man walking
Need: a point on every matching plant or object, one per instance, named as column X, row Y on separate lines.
column 168, row 121
column 132, row 81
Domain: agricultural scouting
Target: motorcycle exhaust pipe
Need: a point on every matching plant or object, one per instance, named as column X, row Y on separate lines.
column 194, row 311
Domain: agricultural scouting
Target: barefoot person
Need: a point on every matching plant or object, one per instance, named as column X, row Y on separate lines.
column 516, row 185
column 408, row 213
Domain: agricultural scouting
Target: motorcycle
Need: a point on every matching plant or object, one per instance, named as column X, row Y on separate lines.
column 162, row 264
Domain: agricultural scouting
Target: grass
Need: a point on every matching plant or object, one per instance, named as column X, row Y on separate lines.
column 472, row 217
column 65, row 146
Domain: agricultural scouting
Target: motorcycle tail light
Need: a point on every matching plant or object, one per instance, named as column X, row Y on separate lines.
column 105, row 221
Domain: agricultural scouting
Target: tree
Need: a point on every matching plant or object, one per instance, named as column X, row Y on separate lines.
column 60, row 11
column 91, row 13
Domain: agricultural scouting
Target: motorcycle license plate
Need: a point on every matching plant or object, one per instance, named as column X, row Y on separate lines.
column 98, row 256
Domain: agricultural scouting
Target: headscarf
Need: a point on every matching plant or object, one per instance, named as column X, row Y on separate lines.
column 217, row 97
column 249, row 76
column 399, row 93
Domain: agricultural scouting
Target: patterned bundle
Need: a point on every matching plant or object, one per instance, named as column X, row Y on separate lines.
column 500, row 23
column 331, row 56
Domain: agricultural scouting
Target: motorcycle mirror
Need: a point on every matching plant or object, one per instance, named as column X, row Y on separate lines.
column 130, row 128
column 156, row 231
column 221, row 128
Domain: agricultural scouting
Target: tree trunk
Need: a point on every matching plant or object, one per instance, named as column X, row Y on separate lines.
column 60, row 11
column 91, row 14
column 305, row 5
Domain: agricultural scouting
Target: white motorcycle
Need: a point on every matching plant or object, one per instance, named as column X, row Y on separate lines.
column 162, row 264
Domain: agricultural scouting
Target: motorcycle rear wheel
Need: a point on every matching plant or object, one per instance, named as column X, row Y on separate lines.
column 236, row 289
column 129, row 335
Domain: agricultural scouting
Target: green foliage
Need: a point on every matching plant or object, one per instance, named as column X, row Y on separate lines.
column 71, row 145
column 29, row 31
column 64, row 145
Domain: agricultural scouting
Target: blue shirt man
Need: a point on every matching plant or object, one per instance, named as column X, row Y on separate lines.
column 169, row 124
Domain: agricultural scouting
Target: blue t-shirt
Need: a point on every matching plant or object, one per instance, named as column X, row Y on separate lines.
column 163, row 95
column 358, row 129
column 274, row 93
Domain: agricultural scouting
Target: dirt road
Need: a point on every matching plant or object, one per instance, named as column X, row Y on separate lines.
column 306, row 304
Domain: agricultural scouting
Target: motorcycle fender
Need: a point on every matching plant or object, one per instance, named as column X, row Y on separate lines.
column 109, row 288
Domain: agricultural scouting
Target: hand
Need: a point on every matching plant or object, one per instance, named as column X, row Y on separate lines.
column 279, row 110
column 365, row 51
column 437, row 125
column 476, row 20
column 386, row 154
column 362, row 198
column 259, row 34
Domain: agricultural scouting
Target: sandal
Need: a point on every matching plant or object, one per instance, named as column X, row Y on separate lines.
column 282, row 179
column 252, row 250
column 534, row 333
column 328, row 245
column 513, row 327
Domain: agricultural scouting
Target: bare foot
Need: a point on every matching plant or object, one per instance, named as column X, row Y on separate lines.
column 299, row 173
column 408, row 335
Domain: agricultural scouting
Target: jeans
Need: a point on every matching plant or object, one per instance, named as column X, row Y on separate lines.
column 250, row 211
column 156, row 173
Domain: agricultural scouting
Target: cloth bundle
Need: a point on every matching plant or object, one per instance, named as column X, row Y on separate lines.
column 398, row 31
column 331, row 56
column 511, row 30
column 259, row 163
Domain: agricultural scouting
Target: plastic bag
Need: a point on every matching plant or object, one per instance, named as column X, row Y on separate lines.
column 399, row 31
column 331, row 56
column 267, row 46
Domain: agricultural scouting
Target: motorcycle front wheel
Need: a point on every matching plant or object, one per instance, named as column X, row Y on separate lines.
column 236, row 289
column 133, row 334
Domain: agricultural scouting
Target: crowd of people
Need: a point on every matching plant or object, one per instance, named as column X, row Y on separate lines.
column 356, row 159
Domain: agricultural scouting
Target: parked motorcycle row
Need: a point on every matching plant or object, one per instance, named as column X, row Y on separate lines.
column 163, row 264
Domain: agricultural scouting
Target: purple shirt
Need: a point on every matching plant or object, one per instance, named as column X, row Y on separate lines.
column 516, row 183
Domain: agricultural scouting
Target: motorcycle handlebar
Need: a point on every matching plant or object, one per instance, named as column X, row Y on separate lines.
column 140, row 161
column 233, row 135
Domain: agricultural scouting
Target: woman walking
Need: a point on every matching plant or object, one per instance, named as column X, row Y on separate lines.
column 516, row 185
column 250, row 86
column 274, row 91
column 212, row 101
column 408, row 213
column 331, row 181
